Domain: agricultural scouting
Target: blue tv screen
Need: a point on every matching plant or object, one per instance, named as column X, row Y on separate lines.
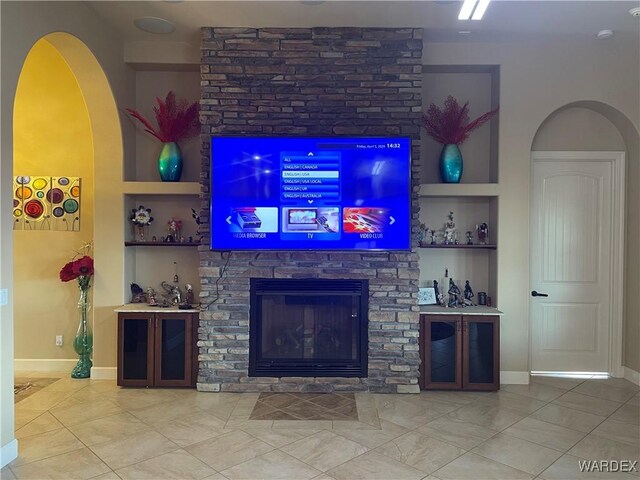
column 300, row 193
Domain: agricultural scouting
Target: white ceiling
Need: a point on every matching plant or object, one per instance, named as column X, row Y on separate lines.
column 504, row 20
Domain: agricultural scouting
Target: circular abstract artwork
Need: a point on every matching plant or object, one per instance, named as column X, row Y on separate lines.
column 75, row 191
column 70, row 206
column 55, row 195
column 33, row 208
column 17, row 212
column 40, row 194
column 15, row 203
column 63, row 181
column 24, row 193
column 23, row 180
column 39, row 183
column 58, row 212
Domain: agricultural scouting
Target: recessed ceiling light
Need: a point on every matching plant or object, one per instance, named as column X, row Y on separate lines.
column 464, row 32
column 605, row 34
column 480, row 9
column 154, row 25
column 635, row 11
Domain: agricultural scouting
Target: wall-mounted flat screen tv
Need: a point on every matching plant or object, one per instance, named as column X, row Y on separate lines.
column 301, row 193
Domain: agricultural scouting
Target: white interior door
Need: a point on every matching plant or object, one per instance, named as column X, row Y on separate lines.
column 573, row 238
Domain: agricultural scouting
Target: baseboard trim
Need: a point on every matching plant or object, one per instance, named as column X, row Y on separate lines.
column 514, row 378
column 631, row 375
column 104, row 373
column 44, row 364
column 8, row 452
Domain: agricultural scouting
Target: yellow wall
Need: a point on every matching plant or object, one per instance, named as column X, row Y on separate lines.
column 52, row 136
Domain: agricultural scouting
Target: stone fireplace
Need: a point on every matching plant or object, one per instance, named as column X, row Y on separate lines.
column 324, row 82
column 308, row 328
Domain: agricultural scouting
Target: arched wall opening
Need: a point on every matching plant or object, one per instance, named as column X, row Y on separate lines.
column 66, row 123
column 595, row 126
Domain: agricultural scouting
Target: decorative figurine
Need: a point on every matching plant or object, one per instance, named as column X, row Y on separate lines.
column 182, row 239
column 432, row 235
column 454, row 294
column 188, row 296
column 469, row 235
column 483, row 233
column 174, row 225
column 422, row 233
column 151, row 297
column 482, row 298
column 449, row 230
column 468, row 294
column 141, row 218
column 455, row 238
column 162, row 238
column 137, row 294
column 173, row 295
column 437, row 292
column 190, row 239
column 154, row 239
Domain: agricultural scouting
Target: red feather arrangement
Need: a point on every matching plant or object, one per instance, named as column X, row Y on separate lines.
column 176, row 120
column 451, row 124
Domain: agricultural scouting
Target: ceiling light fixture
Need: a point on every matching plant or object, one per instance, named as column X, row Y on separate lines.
column 635, row 11
column 473, row 9
column 605, row 34
column 467, row 9
column 480, row 9
column 154, row 25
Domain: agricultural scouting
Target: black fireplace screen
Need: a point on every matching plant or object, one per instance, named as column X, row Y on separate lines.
column 308, row 328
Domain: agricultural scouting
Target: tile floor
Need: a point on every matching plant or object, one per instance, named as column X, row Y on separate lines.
column 93, row 429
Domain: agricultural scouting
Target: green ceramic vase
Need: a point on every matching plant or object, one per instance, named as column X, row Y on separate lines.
column 170, row 162
column 450, row 164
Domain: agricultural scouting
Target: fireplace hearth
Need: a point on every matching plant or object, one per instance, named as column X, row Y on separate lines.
column 308, row 328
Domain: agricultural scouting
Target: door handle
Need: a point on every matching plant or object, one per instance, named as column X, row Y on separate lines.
column 537, row 294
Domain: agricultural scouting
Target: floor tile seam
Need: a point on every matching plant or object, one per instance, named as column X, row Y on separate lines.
column 620, row 441
column 435, row 472
column 335, row 466
column 608, row 399
column 443, row 441
column 547, row 446
column 52, row 456
column 135, row 463
column 521, row 412
column 527, row 473
column 33, row 420
column 100, row 474
column 569, row 428
column 160, row 455
column 279, row 449
column 152, row 426
column 404, row 463
column 583, row 409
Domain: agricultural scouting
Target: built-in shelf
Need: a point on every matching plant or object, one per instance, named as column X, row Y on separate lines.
column 486, row 247
column 161, row 188
column 161, row 244
column 459, row 190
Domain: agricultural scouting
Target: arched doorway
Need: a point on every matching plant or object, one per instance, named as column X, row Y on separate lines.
column 66, row 123
column 588, row 134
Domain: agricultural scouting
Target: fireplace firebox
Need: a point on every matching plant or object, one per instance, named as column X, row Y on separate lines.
column 308, row 328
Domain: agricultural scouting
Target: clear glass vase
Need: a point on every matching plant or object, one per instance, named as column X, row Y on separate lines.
column 83, row 342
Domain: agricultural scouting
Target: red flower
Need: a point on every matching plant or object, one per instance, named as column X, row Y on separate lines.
column 66, row 274
column 83, row 266
column 77, row 268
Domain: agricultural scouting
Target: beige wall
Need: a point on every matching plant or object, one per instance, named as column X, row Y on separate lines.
column 52, row 137
column 536, row 80
column 23, row 23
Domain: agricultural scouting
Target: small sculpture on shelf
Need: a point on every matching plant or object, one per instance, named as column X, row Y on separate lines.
column 454, row 294
column 189, row 296
column 173, row 295
column 469, row 235
column 468, row 294
column 432, row 237
column 137, row 294
column 141, row 219
column 437, row 292
column 174, row 225
column 483, row 233
column 151, row 297
column 449, row 230
column 422, row 234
